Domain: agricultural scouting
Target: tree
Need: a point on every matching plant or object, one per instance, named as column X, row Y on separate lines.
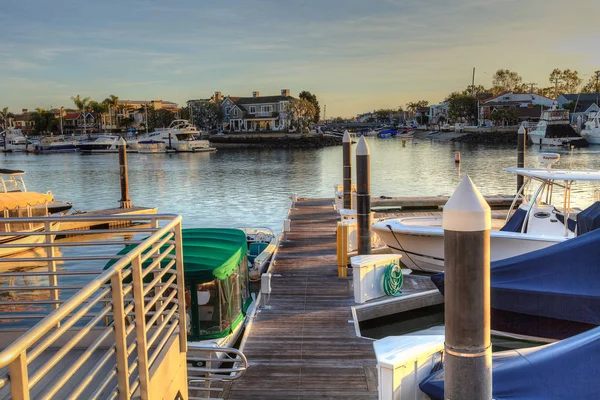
column 413, row 106
column 306, row 95
column 593, row 85
column 206, row 115
column 80, row 103
column 44, row 121
column 504, row 115
column 112, row 102
column 569, row 106
column 475, row 90
column 4, row 115
column 97, row 110
column 461, row 107
column 301, row 111
column 505, row 80
column 565, row 81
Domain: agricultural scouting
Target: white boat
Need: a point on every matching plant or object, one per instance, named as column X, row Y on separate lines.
column 103, row 144
column 151, row 147
column 180, row 136
column 12, row 139
column 56, row 144
column 534, row 224
column 591, row 132
column 22, row 205
column 11, row 181
column 554, row 129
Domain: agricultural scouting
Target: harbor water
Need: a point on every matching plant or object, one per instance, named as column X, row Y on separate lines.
column 252, row 187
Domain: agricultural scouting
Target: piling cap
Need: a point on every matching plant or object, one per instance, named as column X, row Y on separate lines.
column 123, row 142
column 346, row 138
column 362, row 148
column 521, row 130
column 467, row 210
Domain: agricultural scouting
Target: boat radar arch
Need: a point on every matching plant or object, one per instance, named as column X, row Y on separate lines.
column 548, row 159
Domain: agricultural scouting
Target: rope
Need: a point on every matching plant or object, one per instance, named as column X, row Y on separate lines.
column 402, row 248
column 392, row 280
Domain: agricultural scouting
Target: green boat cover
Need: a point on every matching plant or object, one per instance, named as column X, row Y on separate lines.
column 208, row 253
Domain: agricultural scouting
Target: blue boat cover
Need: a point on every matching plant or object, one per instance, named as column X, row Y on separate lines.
column 560, row 281
column 515, row 223
column 589, row 219
column 563, row 370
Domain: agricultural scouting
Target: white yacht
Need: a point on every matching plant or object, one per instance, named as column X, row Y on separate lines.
column 591, row 132
column 56, row 144
column 103, row 144
column 12, row 139
column 554, row 129
column 178, row 137
column 534, row 224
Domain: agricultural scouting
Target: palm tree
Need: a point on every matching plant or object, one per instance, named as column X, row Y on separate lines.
column 112, row 102
column 4, row 114
column 81, row 104
column 97, row 109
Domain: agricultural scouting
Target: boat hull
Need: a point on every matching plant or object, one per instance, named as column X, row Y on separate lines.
column 422, row 248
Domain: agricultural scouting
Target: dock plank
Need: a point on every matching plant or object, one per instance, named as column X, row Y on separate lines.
column 303, row 344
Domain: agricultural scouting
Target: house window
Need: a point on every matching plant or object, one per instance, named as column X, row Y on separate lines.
column 227, row 109
column 266, row 109
column 252, row 109
column 235, row 112
column 282, row 106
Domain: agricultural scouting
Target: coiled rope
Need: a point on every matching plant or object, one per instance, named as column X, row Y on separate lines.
column 392, row 280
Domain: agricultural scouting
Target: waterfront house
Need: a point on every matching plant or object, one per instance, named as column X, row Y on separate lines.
column 76, row 123
column 585, row 103
column 524, row 106
column 438, row 113
column 255, row 113
column 23, row 121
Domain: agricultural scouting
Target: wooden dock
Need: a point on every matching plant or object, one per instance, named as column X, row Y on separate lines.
column 304, row 346
column 103, row 224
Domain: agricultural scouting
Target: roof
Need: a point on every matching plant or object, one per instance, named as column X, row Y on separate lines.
column 592, row 97
column 557, row 174
column 511, row 93
column 13, row 200
column 261, row 100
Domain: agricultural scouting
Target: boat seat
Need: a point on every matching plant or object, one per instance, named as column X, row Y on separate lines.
column 255, row 249
column 515, row 223
column 572, row 224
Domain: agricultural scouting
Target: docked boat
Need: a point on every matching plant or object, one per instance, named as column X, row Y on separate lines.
column 56, row 144
column 554, row 129
column 534, row 224
column 12, row 139
column 21, row 205
column 262, row 243
column 151, row 147
column 591, row 131
column 11, row 181
column 103, row 144
column 433, row 133
column 180, row 136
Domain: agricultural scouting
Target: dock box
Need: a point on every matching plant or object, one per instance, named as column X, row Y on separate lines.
column 367, row 273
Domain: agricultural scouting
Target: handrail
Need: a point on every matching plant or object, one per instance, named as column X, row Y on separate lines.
column 234, row 373
column 15, row 349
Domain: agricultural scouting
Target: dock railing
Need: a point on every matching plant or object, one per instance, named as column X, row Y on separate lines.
column 109, row 338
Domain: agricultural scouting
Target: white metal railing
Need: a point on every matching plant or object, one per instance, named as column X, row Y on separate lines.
column 210, row 368
column 102, row 340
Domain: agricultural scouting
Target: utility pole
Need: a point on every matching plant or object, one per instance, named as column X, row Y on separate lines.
column 597, row 78
column 61, row 124
column 325, row 111
column 146, row 124
column 556, row 87
column 473, row 84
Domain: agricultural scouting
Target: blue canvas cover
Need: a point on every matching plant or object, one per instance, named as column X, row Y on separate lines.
column 560, row 282
column 589, row 219
column 515, row 223
column 564, row 370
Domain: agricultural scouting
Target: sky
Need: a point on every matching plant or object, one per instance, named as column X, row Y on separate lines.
column 355, row 55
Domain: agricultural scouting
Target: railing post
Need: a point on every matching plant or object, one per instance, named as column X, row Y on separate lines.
column 180, row 289
column 468, row 350
column 50, row 254
column 19, row 379
column 140, row 325
column 118, row 305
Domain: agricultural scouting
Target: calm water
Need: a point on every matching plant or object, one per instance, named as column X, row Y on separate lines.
column 253, row 187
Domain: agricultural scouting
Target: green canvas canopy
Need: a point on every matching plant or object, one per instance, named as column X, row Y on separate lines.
column 210, row 253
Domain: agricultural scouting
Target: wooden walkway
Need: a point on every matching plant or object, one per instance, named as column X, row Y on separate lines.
column 304, row 346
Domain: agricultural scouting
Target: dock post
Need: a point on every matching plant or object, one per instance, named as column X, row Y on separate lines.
column 347, row 160
column 363, row 196
column 125, row 201
column 521, row 143
column 467, row 352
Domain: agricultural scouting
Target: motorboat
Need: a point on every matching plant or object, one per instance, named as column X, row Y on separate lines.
column 56, row 144
column 387, row 133
column 554, row 129
column 151, row 147
column 433, row 133
column 591, row 131
column 12, row 139
column 103, row 144
column 21, row 205
column 180, row 136
column 262, row 243
column 11, row 181
column 533, row 224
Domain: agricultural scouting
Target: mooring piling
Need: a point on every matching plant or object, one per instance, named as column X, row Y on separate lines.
column 468, row 352
column 347, row 161
column 363, row 196
column 125, row 201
